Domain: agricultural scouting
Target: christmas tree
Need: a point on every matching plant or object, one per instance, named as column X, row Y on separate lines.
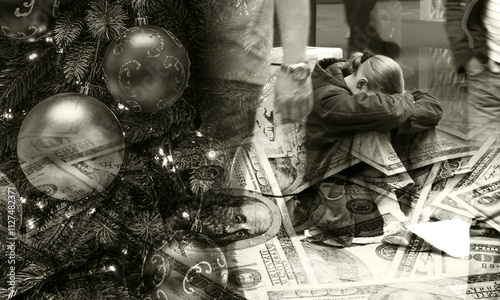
column 93, row 247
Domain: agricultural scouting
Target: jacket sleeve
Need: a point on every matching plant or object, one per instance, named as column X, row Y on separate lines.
column 465, row 32
column 340, row 110
column 427, row 113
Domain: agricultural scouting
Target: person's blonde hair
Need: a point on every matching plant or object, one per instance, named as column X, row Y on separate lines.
column 383, row 73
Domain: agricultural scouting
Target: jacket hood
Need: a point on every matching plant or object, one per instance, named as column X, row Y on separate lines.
column 330, row 75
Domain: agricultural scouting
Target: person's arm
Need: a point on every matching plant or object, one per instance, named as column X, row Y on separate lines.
column 293, row 98
column 377, row 112
column 427, row 113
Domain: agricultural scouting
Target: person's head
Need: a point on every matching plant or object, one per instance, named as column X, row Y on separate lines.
column 235, row 219
column 374, row 74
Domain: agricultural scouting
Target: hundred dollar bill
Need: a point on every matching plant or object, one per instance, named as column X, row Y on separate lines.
column 375, row 149
column 315, row 161
column 442, row 176
column 283, row 260
column 485, row 169
column 483, row 258
column 482, row 200
column 59, row 180
column 69, row 148
column 375, row 180
column 433, row 287
column 418, row 259
column 349, row 264
column 491, row 141
column 428, row 147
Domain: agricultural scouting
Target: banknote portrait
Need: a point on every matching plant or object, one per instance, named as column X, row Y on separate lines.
column 233, row 219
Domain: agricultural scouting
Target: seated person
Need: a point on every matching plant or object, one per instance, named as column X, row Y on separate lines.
column 365, row 93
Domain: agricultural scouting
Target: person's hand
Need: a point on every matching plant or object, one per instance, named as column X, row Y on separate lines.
column 294, row 99
column 474, row 66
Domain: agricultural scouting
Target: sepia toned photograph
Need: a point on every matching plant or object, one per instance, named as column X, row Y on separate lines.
column 249, row 149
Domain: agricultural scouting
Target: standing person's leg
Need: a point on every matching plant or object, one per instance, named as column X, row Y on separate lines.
column 483, row 101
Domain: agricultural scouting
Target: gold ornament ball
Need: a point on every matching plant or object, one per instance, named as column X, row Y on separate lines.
column 146, row 69
column 70, row 146
column 28, row 21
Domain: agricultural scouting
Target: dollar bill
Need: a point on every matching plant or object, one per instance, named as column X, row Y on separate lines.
column 492, row 143
column 282, row 257
column 428, row 147
column 69, row 147
column 433, row 287
column 482, row 200
column 417, row 259
column 483, row 258
column 317, row 160
column 375, row 149
column 59, row 180
column 349, row 264
column 375, row 180
column 485, row 169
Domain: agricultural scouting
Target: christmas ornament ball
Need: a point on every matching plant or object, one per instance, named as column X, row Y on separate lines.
column 189, row 265
column 70, row 146
column 146, row 69
column 28, row 21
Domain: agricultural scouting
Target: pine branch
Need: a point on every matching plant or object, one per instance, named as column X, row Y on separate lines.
column 78, row 59
column 68, row 28
column 106, row 20
column 20, row 76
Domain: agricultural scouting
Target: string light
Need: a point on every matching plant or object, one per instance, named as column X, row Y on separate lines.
column 23, row 200
column 8, row 115
column 40, row 204
column 124, row 251
column 33, row 56
column 31, row 224
column 212, row 154
column 112, row 268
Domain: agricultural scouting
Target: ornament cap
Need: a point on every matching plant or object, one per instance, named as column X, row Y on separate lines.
column 140, row 20
column 84, row 89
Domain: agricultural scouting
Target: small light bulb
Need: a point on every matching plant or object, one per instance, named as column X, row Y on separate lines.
column 40, row 204
column 161, row 152
column 33, row 56
column 112, row 268
column 31, row 224
column 211, row 154
column 198, row 134
column 23, row 200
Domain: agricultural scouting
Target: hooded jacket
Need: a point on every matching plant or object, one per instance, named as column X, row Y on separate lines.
column 337, row 110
